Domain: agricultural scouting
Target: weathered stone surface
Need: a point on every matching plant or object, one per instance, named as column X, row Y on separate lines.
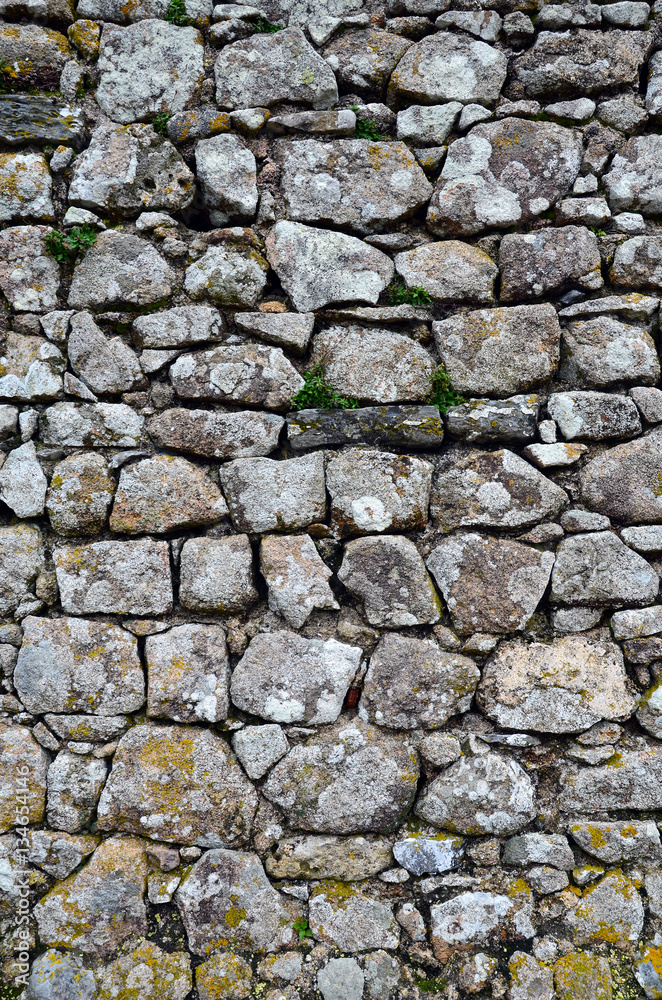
column 411, row 427
column 364, row 185
column 216, row 574
column 364, row 60
column 24, row 766
column 388, row 575
column 478, row 795
column 59, row 853
column 598, row 569
column 421, row 854
column 297, row 577
column 74, row 786
column 539, row 848
column 633, row 181
column 489, row 584
column 450, row 272
column 341, row 979
column 72, row 665
column 373, row 365
column 502, row 173
column 580, row 63
column 315, row 783
column 467, row 919
column 594, row 415
column 638, row 263
column 449, row 67
column 604, row 351
column 564, row 686
column 107, row 367
column 630, row 781
column 413, row 684
column 267, row 68
column 36, row 55
column 29, row 278
column 227, row 898
column 22, row 558
column 178, row 327
column 609, row 911
column 427, row 126
column 30, row 369
column 120, row 269
column 85, row 425
column 198, row 11
column 56, row 973
column 188, row 674
column 351, row 921
column 254, row 374
column 259, row 747
column 623, row 482
column 22, row 482
column 80, row 494
column 582, row 976
column 499, row 352
column 619, row 840
column 147, row 68
column 178, row 784
column 318, row 267
column 264, row 494
column 289, row 330
column 40, row 119
column 129, row 168
column 163, row 494
column 224, row 971
column 226, row 173
column 114, row 577
column 107, row 893
column 548, row 262
column 243, row 434
column 373, row 492
column 497, row 489
column 344, row 858
column 483, row 421
column 160, row 974
column 646, row 968
column 25, row 184
column 86, row 728
column 228, row 277
column 286, row 678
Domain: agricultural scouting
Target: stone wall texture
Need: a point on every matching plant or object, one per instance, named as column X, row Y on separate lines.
column 330, row 500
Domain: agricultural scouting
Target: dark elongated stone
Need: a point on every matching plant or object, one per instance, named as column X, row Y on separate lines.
column 31, row 118
column 403, row 426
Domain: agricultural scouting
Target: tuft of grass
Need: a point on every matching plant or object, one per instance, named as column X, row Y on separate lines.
column 160, row 122
column 442, row 394
column 65, row 247
column 302, row 928
column 367, row 130
column 267, row 27
column 317, row 394
column 176, row 13
column 398, row 294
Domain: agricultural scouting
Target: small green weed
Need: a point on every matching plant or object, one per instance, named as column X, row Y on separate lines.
column 431, row 985
column 176, row 13
column 367, row 130
column 267, row 27
column 598, row 232
column 398, row 294
column 65, row 247
column 442, row 394
column 319, row 395
column 302, row 928
column 160, row 122
column 6, row 80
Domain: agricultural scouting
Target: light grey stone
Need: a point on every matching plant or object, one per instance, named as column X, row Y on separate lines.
column 618, row 840
column 479, row 795
column 449, row 67
column 120, row 270
column 114, row 577
column 503, row 173
column 259, row 748
column 297, row 577
column 580, row 110
column 636, row 624
column 128, row 168
column 491, row 351
column 633, row 179
column 289, row 330
column 549, row 456
column 373, row 491
column 29, row 277
column 22, row 482
column 589, row 211
column 631, row 781
column 227, row 277
column 30, row 369
column 73, row 665
column 638, row 263
column 654, row 88
column 644, row 539
column 598, row 569
column 147, row 68
column 178, row 327
column 74, row 787
column 315, row 783
column 328, row 123
column 626, row 14
column 539, row 848
column 353, row 923
column 80, row 494
column 649, row 403
column 24, row 766
column 216, row 574
column 344, row 858
column 252, row 374
column 603, row 351
column 548, row 262
column 188, row 674
column 268, row 68
column 86, row 425
column 583, row 520
column 225, row 169
column 646, row 967
column 427, row 126
column 341, row 979
column 546, row 880
column 198, row 11
column 467, row 919
column 83, row 728
column 649, row 713
column 489, row 584
column 285, row 678
column 364, row 60
column 421, row 854
column 632, row 223
column 612, row 906
column 497, row 489
column 227, row 894
column 264, row 494
column 626, row 114
column 25, row 184
column 594, row 416
column 412, row 684
column 482, row 421
column 439, row 749
column 8, row 421
column 388, row 575
column 148, row 964
column 217, row 434
column 58, row 974
column 106, row 366
column 364, row 185
column 564, row 686
column 22, row 559
column 622, row 482
column 450, row 271
column 318, row 267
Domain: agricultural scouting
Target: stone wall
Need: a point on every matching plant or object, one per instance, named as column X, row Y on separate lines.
column 344, row 686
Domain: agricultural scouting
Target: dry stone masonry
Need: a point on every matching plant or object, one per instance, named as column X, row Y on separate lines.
column 330, row 500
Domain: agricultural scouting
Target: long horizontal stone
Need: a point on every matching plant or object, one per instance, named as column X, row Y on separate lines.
column 401, row 426
column 26, row 118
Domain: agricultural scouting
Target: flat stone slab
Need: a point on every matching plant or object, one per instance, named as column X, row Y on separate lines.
column 418, row 427
column 27, row 118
